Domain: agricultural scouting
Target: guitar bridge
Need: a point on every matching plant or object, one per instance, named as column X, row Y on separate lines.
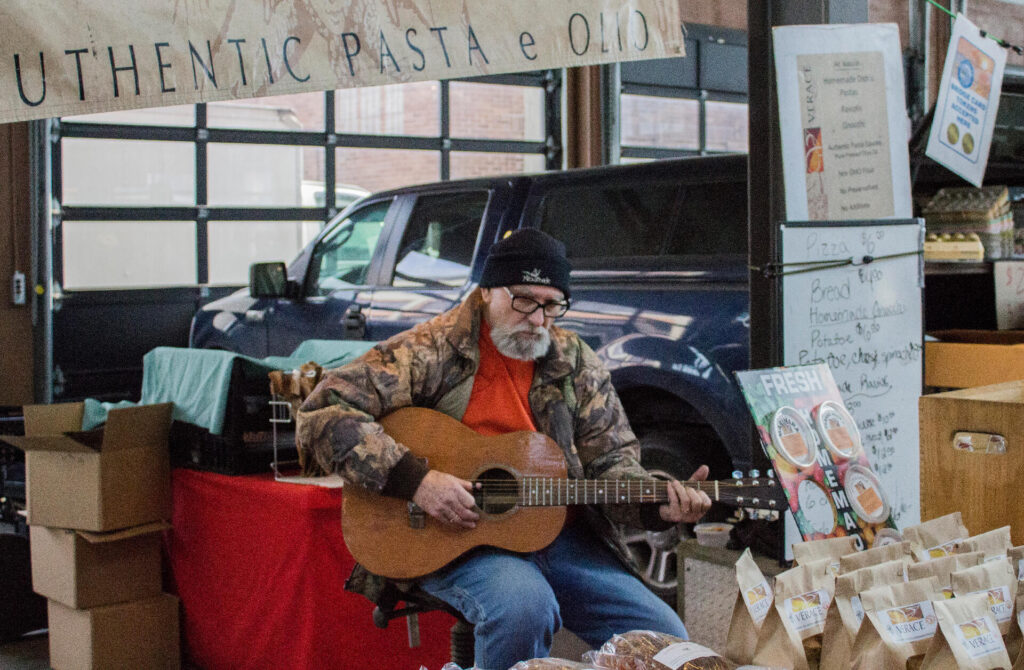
column 417, row 517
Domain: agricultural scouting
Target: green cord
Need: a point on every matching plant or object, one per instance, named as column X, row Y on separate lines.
column 1001, row 42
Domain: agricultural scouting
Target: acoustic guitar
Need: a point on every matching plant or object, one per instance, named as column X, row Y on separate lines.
column 521, row 490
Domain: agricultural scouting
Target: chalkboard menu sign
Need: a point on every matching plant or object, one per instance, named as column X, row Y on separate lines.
column 851, row 300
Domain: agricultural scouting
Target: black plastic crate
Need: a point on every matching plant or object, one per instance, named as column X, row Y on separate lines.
column 249, row 453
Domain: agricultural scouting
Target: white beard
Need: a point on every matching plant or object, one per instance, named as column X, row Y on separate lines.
column 523, row 342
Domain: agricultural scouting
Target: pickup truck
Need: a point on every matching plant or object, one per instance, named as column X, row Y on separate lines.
column 659, row 292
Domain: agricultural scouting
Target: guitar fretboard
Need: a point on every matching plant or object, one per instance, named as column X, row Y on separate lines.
column 549, row 491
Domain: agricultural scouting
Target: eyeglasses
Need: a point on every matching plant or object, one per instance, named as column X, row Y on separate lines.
column 526, row 305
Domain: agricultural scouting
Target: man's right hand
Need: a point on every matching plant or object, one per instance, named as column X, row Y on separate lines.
column 448, row 499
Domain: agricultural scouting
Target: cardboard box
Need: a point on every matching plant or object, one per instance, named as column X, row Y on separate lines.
column 106, row 479
column 967, row 358
column 80, row 569
column 138, row 634
column 974, row 478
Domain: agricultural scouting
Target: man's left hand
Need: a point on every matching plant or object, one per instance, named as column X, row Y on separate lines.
column 686, row 505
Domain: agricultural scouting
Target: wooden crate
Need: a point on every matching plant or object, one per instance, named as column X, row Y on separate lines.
column 982, row 486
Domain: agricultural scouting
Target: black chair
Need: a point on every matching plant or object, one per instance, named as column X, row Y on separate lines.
column 417, row 601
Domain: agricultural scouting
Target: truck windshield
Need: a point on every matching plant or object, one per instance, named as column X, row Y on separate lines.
column 342, row 258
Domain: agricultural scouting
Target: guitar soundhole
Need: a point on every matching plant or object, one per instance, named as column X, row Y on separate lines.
column 499, row 492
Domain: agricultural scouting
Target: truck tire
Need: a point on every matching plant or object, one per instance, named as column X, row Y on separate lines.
column 654, row 553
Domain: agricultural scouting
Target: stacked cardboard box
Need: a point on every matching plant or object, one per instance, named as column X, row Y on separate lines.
column 97, row 502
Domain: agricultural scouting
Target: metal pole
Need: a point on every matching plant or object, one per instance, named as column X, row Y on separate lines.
column 42, row 259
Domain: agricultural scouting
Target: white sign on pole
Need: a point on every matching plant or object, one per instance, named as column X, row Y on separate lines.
column 1009, row 279
column 965, row 112
column 843, row 122
column 863, row 319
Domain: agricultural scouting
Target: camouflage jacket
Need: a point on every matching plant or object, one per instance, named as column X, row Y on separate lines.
column 433, row 365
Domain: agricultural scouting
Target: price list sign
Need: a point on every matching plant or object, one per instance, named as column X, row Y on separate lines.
column 1009, row 284
column 854, row 304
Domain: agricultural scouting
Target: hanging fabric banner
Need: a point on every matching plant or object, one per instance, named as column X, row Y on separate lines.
column 66, row 57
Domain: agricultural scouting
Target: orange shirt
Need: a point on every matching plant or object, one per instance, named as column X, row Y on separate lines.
column 499, row 402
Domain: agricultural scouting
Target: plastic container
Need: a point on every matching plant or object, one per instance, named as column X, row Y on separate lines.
column 712, row 534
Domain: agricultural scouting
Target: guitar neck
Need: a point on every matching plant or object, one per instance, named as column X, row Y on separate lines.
column 551, row 492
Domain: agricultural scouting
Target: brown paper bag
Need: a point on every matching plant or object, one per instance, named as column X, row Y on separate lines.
column 1016, row 556
column 996, row 581
column 899, row 622
column 791, row 633
column 887, row 552
column 753, row 602
column 994, row 544
column 968, row 637
column 943, row 568
column 831, row 548
column 1015, row 638
column 846, row 613
column 935, row 538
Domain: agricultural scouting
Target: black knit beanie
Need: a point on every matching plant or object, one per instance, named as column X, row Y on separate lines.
column 527, row 256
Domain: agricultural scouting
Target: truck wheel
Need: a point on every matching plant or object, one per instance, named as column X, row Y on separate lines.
column 654, row 553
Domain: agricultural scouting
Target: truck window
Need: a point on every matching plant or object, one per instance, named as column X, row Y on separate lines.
column 712, row 219
column 599, row 221
column 342, row 258
column 438, row 243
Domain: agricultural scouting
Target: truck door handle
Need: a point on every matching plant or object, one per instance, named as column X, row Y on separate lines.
column 354, row 322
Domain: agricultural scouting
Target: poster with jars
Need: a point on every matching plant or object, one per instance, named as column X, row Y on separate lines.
column 815, row 448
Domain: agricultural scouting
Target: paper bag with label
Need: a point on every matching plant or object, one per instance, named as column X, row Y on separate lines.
column 1016, row 556
column 1014, row 639
column 968, row 637
column 936, row 538
column 943, row 568
column 844, row 617
column 994, row 544
column 791, row 633
column 753, row 601
column 899, row 622
column 832, row 548
column 863, row 559
column 996, row 581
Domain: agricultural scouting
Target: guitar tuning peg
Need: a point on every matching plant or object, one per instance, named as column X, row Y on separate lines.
column 770, row 474
column 755, row 473
column 737, row 474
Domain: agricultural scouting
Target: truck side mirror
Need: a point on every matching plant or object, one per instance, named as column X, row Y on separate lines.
column 268, row 280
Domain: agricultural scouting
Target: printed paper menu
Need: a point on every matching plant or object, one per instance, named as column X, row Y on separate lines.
column 843, row 122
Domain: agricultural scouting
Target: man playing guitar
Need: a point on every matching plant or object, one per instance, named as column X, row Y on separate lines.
column 497, row 363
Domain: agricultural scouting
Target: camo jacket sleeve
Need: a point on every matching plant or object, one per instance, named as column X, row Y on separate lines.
column 607, row 446
column 337, row 424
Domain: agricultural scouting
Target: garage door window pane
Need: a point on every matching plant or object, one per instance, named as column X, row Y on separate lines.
column 497, row 111
column 234, row 245
column 301, row 111
column 482, row 164
column 670, row 123
column 129, row 254
column 255, row 175
column 727, row 126
column 393, row 109
column 127, row 172
column 379, row 169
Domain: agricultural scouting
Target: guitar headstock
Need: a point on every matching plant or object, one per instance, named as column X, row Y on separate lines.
column 754, row 492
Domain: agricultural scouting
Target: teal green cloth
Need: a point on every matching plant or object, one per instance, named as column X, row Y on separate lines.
column 95, row 412
column 197, row 380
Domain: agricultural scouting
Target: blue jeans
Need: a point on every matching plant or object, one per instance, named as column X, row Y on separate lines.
column 518, row 601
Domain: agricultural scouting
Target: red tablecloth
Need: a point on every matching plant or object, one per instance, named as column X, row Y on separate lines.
column 259, row 566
